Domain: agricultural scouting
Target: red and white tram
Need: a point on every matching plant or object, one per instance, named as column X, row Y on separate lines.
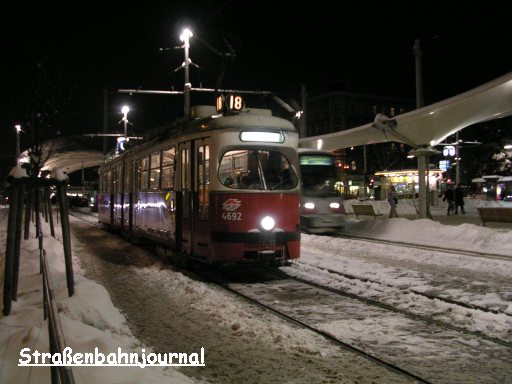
column 220, row 188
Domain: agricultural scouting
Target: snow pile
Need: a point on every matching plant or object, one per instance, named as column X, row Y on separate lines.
column 89, row 320
column 240, row 317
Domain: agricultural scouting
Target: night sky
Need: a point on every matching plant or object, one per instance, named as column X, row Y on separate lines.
column 58, row 57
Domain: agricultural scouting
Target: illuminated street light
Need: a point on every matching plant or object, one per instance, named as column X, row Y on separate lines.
column 18, row 130
column 125, row 111
column 185, row 37
column 449, row 150
column 122, row 140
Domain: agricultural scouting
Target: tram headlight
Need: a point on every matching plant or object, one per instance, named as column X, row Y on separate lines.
column 334, row 205
column 309, row 205
column 267, row 223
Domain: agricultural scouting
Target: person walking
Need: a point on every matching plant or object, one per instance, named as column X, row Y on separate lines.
column 449, row 197
column 459, row 200
column 392, row 200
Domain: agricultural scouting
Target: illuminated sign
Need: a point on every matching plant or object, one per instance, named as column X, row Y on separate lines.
column 233, row 103
column 262, row 136
column 444, row 165
column 316, row 160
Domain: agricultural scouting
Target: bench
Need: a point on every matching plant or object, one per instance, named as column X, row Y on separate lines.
column 364, row 210
column 493, row 214
column 343, row 210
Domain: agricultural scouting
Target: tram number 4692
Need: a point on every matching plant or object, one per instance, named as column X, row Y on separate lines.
column 232, row 216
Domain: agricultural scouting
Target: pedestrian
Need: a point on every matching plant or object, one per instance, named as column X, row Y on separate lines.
column 449, row 197
column 459, row 200
column 392, row 200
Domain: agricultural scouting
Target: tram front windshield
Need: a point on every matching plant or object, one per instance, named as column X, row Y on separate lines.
column 257, row 169
column 318, row 175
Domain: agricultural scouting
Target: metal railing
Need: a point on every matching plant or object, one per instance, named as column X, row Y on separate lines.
column 33, row 194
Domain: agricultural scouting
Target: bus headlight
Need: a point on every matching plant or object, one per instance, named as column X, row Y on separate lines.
column 309, row 205
column 267, row 223
column 334, row 205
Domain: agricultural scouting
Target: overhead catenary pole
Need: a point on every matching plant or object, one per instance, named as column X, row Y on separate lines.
column 421, row 153
column 303, row 127
column 18, row 130
column 185, row 37
column 105, row 120
column 457, row 158
column 419, row 82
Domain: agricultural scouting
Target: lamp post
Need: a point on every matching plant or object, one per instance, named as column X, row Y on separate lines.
column 122, row 140
column 18, row 130
column 185, row 37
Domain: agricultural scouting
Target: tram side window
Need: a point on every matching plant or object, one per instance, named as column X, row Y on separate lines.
column 136, row 175
column 119, row 180
column 154, row 175
column 103, row 186
column 144, row 173
column 203, row 182
column 185, row 159
column 114, row 181
column 127, row 176
column 109, row 181
column 168, row 168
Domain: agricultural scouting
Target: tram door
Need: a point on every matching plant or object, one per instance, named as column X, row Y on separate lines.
column 201, row 200
column 185, row 219
column 193, row 212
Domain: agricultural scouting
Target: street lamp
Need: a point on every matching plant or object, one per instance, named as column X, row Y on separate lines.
column 185, row 37
column 18, row 130
column 121, row 140
column 125, row 111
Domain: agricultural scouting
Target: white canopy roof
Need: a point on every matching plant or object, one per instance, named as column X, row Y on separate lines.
column 69, row 154
column 429, row 125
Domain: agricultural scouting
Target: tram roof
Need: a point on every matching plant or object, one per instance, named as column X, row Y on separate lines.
column 70, row 154
column 429, row 125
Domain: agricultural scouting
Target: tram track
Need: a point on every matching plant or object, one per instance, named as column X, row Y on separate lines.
column 390, row 366
column 487, row 255
column 91, row 218
column 416, row 292
column 252, row 292
column 404, row 312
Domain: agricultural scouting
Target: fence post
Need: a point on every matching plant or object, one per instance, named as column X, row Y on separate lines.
column 64, row 219
column 10, row 246
column 50, row 210
column 28, row 208
column 17, row 243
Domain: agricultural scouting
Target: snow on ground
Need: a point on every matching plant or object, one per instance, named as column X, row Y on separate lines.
column 88, row 319
column 393, row 274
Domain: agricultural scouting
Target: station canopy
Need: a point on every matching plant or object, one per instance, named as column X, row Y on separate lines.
column 69, row 153
column 426, row 126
